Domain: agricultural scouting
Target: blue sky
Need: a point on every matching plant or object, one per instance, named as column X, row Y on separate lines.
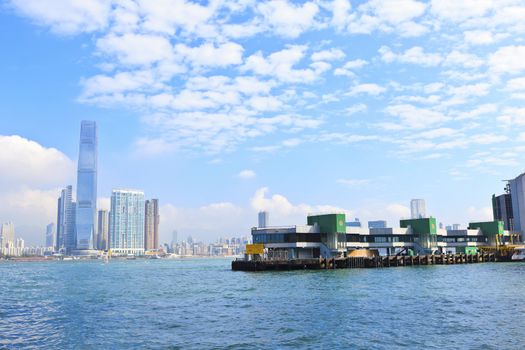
column 223, row 108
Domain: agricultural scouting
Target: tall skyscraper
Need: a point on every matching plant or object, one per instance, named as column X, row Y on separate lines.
column 50, row 235
column 517, row 194
column 151, row 224
column 103, row 230
column 66, row 221
column 86, row 209
column 418, row 209
column 126, row 222
column 264, row 219
column 7, row 233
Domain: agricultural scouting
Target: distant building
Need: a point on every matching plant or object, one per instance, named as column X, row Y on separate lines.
column 355, row 223
column 65, row 229
column 502, row 209
column 264, row 219
column 50, row 235
column 418, row 209
column 126, row 222
column 151, row 224
column 455, row 227
column 7, row 233
column 103, row 230
column 377, row 224
column 86, row 208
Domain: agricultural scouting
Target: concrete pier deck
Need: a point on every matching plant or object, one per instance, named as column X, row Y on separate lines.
column 362, row 262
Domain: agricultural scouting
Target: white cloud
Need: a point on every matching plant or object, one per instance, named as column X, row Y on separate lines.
column 29, row 185
column 463, row 59
column 414, row 55
column 398, row 210
column 27, row 163
column 280, row 207
column 386, row 16
column 340, row 13
column 287, row 19
column 328, row 55
column 413, row 117
column 348, row 67
column 508, row 60
column 457, row 11
column 135, row 49
column 210, row 55
column 369, row 89
column 357, row 108
column 66, row 16
column 480, row 37
column 477, row 214
column 512, row 117
column 353, row 182
column 166, row 16
column 280, row 65
column 246, row 174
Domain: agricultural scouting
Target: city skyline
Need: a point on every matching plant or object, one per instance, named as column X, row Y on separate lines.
column 236, row 110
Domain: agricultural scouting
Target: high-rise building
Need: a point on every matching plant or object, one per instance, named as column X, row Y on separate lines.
column 418, row 209
column 377, row 224
column 502, row 209
column 7, row 233
column 50, row 235
column 264, row 219
column 517, row 193
column 126, row 222
column 103, row 230
column 65, row 221
column 86, row 209
column 151, row 224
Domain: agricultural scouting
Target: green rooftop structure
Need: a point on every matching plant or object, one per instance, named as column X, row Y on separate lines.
column 425, row 232
column 490, row 229
column 332, row 228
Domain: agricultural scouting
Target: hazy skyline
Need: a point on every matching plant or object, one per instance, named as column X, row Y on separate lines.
column 221, row 109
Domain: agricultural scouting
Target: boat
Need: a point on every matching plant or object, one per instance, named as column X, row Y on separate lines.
column 130, row 257
column 519, row 254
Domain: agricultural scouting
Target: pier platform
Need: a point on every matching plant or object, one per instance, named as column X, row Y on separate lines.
column 361, row 262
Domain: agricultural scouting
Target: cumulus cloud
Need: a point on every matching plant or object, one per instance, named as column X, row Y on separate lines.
column 30, row 184
column 246, row 174
column 66, row 16
column 288, row 19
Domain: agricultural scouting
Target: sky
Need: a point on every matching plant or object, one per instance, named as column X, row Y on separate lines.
column 224, row 108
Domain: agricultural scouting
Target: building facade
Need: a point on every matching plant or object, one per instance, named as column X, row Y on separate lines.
column 50, row 235
column 418, row 209
column 377, row 224
column 502, row 210
column 7, row 234
column 151, row 224
column 103, row 230
column 65, row 229
column 263, row 219
column 126, row 222
column 86, row 208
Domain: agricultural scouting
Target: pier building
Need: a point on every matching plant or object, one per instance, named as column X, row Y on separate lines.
column 328, row 236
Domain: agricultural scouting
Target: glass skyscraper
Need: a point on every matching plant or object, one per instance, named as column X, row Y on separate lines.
column 126, row 222
column 86, row 207
column 66, row 221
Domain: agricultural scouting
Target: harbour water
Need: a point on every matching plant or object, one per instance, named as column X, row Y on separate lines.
column 202, row 304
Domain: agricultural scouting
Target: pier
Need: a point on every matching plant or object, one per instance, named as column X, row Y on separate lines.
column 362, row 262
